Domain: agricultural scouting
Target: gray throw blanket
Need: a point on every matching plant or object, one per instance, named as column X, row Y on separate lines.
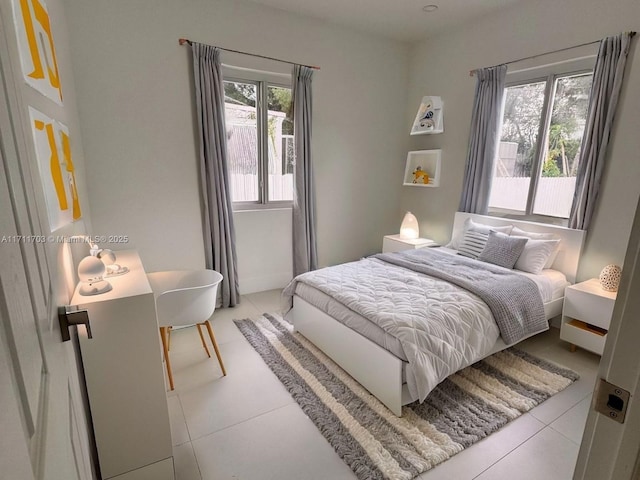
column 513, row 299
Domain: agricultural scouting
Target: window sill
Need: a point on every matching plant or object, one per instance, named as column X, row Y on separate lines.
column 262, row 207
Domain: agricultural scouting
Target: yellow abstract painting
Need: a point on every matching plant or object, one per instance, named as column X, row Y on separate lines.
column 53, row 152
column 37, row 50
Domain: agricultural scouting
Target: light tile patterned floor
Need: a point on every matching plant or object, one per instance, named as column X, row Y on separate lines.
column 246, row 426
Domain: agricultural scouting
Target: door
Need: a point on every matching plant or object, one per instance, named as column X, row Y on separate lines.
column 43, row 426
column 610, row 450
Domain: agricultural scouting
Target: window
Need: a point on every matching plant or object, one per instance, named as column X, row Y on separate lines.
column 542, row 126
column 259, row 120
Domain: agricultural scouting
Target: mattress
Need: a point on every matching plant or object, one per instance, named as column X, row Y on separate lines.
column 551, row 284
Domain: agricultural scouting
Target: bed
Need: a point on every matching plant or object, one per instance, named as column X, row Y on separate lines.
column 362, row 341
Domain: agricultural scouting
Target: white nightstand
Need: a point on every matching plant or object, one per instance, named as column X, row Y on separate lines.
column 393, row 243
column 586, row 315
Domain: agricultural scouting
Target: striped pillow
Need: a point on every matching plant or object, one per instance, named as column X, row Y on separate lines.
column 472, row 243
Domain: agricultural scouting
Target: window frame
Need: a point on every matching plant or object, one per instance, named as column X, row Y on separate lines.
column 548, row 74
column 262, row 80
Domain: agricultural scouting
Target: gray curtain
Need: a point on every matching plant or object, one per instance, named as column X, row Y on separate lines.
column 605, row 91
column 305, row 255
column 219, row 233
column 483, row 139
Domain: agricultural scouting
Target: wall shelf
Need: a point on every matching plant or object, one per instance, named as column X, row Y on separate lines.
column 429, row 117
column 427, row 161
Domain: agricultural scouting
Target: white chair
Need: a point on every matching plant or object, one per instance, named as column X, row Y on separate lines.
column 185, row 298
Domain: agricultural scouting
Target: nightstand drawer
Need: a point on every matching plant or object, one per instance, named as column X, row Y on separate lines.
column 579, row 333
column 589, row 308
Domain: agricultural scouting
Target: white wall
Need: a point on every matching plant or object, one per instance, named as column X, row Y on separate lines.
column 135, row 100
column 441, row 67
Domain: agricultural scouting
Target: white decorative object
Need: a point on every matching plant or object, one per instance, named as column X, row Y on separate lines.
column 409, row 228
column 429, row 117
column 108, row 257
column 91, row 274
column 610, row 278
column 422, row 168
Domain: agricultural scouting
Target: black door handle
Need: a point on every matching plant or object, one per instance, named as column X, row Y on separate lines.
column 66, row 318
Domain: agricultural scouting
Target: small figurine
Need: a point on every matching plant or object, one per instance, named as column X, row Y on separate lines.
column 420, row 176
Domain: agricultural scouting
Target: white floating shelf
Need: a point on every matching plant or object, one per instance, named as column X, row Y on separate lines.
column 429, row 117
column 427, row 161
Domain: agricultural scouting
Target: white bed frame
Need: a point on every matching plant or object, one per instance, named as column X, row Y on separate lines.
column 378, row 370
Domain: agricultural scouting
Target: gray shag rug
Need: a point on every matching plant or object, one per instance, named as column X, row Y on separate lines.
column 463, row 409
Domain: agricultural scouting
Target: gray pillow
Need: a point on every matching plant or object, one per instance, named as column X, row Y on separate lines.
column 502, row 249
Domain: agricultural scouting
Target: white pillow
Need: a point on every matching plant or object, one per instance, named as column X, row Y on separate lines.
column 540, row 236
column 535, row 255
column 537, row 236
column 476, row 227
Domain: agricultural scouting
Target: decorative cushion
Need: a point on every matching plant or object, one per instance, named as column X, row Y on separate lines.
column 502, row 249
column 469, row 224
column 535, row 255
column 472, row 244
column 539, row 236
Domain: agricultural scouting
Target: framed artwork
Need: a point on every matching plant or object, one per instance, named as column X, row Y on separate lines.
column 37, row 50
column 429, row 117
column 57, row 173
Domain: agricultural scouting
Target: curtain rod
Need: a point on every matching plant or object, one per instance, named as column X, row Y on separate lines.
column 471, row 72
column 182, row 41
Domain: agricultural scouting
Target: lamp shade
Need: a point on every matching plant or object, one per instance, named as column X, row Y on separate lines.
column 409, row 229
column 610, row 278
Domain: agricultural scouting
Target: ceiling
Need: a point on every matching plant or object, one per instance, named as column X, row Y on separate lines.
column 402, row 20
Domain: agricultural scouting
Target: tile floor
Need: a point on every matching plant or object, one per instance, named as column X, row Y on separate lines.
column 246, row 426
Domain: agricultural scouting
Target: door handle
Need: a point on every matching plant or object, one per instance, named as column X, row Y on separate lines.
column 67, row 317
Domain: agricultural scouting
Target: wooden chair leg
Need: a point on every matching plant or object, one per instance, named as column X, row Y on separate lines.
column 165, row 348
column 204, row 344
column 215, row 347
column 169, row 338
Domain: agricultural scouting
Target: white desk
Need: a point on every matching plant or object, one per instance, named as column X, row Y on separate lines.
column 125, row 378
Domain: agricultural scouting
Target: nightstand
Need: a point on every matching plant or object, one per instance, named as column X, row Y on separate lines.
column 586, row 315
column 393, row 243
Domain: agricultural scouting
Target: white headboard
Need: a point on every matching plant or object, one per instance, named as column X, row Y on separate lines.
column 570, row 245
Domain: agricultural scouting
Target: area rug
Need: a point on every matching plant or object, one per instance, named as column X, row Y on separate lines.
column 465, row 408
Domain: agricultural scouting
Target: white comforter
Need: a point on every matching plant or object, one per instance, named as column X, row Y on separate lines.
column 442, row 327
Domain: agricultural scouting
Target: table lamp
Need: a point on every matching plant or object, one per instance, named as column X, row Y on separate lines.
column 91, row 274
column 409, row 229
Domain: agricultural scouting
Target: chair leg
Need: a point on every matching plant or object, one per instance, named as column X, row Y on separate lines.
column 169, row 337
column 215, row 347
column 165, row 348
column 204, row 344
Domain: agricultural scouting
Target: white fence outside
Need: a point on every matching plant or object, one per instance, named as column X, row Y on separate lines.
column 553, row 198
column 244, row 188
